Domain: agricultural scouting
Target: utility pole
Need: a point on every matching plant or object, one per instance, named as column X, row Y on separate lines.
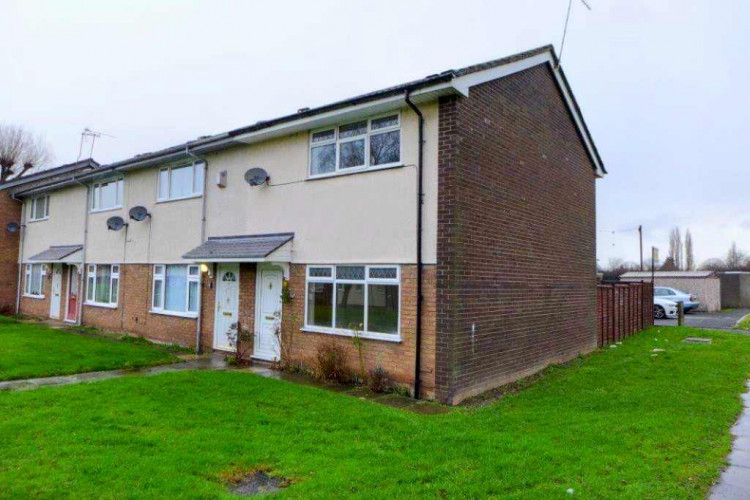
column 640, row 239
column 654, row 258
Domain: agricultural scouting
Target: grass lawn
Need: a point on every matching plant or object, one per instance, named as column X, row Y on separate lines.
column 30, row 350
column 618, row 423
column 744, row 323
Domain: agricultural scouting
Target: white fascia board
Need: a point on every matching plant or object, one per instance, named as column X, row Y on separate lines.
column 335, row 117
column 462, row 85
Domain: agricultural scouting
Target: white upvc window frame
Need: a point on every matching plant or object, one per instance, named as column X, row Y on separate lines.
column 337, row 141
column 193, row 272
column 33, row 204
column 197, row 187
column 95, row 203
column 28, row 274
column 92, row 278
column 333, row 330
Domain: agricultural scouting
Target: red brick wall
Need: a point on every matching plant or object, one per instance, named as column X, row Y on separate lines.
column 133, row 312
column 396, row 358
column 10, row 211
column 37, row 307
column 40, row 308
column 516, row 235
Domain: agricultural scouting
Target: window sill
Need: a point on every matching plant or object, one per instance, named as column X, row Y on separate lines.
column 38, row 220
column 174, row 314
column 354, row 172
column 29, row 296
column 170, row 200
column 104, row 210
column 384, row 337
column 99, row 304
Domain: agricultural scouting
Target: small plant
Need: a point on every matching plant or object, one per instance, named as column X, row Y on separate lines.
column 379, row 380
column 286, row 294
column 286, row 343
column 241, row 340
column 330, row 363
column 357, row 339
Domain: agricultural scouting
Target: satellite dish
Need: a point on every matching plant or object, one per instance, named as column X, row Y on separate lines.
column 139, row 213
column 115, row 223
column 12, row 227
column 256, row 176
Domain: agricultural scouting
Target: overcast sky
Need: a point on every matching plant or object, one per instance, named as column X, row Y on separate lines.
column 662, row 84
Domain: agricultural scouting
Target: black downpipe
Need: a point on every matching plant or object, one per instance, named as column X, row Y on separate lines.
column 420, row 200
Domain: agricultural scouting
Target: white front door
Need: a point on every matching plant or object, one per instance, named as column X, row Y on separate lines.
column 55, row 292
column 267, row 341
column 227, row 302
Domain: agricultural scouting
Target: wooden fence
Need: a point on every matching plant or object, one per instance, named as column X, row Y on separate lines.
column 623, row 309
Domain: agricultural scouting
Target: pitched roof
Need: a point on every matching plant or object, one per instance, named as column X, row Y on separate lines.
column 56, row 253
column 46, row 176
column 668, row 274
column 255, row 246
column 450, row 81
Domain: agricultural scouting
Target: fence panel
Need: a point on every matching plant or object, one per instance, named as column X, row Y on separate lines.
column 623, row 309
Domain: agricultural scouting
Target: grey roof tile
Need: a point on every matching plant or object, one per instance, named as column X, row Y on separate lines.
column 56, row 253
column 256, row 246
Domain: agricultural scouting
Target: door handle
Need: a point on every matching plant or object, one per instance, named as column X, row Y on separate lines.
column 270, row 317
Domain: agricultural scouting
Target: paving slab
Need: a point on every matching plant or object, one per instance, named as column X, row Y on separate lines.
column 741, row 443
column 739, row 458
column 208, row 362
column 734, row 482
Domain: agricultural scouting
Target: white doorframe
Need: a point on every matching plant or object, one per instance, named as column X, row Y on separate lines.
column 258, row 310
column 55, row 301
column 72, row 278
column 218, row 316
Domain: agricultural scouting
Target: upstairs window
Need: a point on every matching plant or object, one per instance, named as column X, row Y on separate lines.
column 373, row 143
column 103, row 284
column 181, row 181
column 33, row 282
column 107, row 195
column 39, row 208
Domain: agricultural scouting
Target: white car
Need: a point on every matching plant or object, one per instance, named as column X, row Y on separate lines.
column 664, row 308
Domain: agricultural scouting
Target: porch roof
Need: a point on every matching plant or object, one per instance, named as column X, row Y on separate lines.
column 248, row 248
column 61, row 253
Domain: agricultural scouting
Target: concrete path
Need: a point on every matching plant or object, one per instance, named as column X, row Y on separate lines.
column 217, row 362
column 734, row 482
column 710, row 321
column 209, row 362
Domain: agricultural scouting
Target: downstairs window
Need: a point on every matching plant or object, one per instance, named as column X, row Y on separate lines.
column 34, row 280
column 347, row 298
column 103, row 284
column 176, row 289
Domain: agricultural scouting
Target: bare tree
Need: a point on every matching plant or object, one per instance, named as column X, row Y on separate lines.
column 689, row 256
column 669, row 265
column 735, row 257
column 675, row 248
column 713, row 265
column 20, row 151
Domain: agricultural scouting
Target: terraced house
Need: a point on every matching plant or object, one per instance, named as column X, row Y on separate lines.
column 448, row 222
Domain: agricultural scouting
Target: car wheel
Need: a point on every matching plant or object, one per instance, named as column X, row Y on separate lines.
column 659, row 312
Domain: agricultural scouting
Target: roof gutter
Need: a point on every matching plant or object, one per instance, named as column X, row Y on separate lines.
column 20, row 251
column 420, row 201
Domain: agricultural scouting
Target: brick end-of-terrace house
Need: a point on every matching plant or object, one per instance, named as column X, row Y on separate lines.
column 307, row 230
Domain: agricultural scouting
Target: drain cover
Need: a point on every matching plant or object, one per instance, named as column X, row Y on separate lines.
column 258, row 483
column 697, row 340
